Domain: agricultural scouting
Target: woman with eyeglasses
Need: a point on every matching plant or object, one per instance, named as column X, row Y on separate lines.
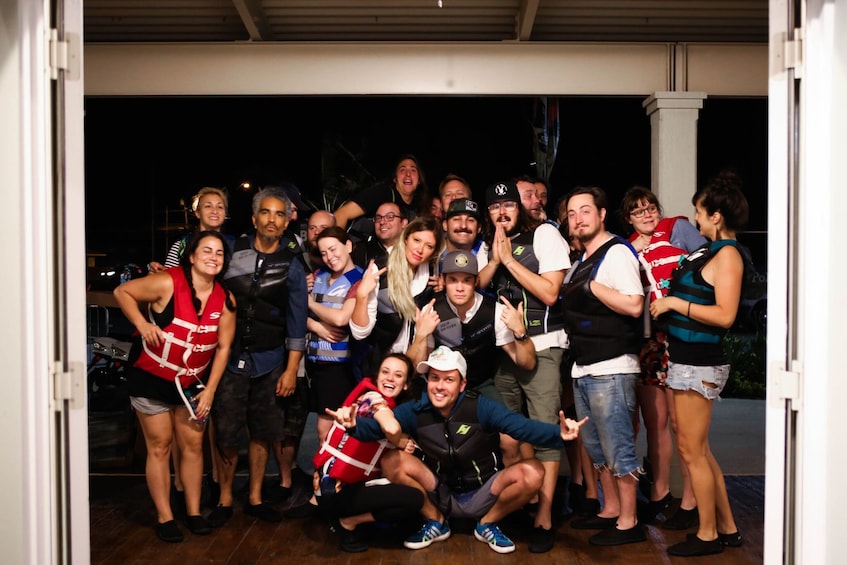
column 387, row 306
column 185, row 334
column 661, row 243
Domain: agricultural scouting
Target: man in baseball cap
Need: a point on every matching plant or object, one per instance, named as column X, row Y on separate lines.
column 462, row 227
column 449, row 420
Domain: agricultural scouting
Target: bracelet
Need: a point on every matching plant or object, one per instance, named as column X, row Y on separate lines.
column 688, row 315
column 523, row 337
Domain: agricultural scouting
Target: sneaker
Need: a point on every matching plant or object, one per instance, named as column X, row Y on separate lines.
column 490, row 533
column 306, row 510
column 541, row 540
column 682, row 520
column 694, row 546
column 198, row 525
column 263, row 512
column 169, row 532
column 431, row 531
column 650, row 510
column 731, row 540
column 276, row 493
column 219, row 516
column 614, row 536
column 348, row 540
column 594, row 523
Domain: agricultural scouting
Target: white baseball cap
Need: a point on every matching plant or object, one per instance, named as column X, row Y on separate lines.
column 444, row 359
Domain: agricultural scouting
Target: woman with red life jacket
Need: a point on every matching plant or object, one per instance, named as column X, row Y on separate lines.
column 186, row 331
column 661, row 244
column 348, row 484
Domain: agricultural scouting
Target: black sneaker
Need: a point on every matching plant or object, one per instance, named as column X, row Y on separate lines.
column 731, row 540
column 219, row 516
column 306, row 510
column 348, row 540
column 541, row 540
column 650, row 510
column 694, row 546
column 614, row 536
column 263, row 512
column 682, row 520
column 169, row 532
column 276, row 493
column 594, row 523
column 198, row 525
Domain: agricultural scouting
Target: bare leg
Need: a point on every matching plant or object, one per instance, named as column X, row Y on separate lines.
column 688, row 501
column 189, row 438
column 545, row 495
column 626, row 491
column 226, row 474
column 659, row 441
column 158, row 437
column 258, row 452
column 514, row 487
column 403, row 468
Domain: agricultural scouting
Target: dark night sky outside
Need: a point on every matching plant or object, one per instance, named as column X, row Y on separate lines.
column 145, row 154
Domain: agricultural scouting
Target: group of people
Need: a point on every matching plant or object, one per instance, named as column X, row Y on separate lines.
column 442, row 347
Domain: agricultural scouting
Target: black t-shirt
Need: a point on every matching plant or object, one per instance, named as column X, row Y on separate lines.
column 371, row 199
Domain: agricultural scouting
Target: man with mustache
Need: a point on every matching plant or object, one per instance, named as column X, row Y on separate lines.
column 462, row 228
column 527, row 264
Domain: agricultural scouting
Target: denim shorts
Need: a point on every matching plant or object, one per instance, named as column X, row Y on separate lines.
column 608, row 435
column 698, row 378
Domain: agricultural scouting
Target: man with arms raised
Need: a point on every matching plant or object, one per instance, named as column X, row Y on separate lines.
column 462, row 475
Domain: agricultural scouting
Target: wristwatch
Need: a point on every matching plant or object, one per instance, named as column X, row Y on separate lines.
column 523, row 337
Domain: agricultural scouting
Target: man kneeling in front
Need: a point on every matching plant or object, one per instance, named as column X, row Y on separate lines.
column 461, row 469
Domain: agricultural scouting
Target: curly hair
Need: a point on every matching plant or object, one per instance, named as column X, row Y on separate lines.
column 723, row 194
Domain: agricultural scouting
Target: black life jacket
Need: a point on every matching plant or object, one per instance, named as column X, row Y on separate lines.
column 596, row 332
column 458, row 451
column 538, row 317
column 475, row 340
column 259, row 282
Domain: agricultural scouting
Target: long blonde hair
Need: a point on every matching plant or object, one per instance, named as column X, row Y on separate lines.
column 400, row 272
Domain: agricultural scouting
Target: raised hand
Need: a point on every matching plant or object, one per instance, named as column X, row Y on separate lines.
column 570, row 428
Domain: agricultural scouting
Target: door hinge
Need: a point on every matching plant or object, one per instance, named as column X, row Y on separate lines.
column 64, row 55
column 793, row 53
column 69, row 385
column 786, row 384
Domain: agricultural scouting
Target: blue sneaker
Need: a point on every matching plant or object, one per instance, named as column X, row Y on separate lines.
column 432, row 530
column 490, row 533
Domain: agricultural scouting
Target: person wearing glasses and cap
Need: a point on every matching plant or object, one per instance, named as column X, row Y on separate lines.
column 527, row 264
column 462, row 474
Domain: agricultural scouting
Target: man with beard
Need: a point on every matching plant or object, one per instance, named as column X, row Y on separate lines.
column 530, row 197
column 603, row 299
column 527, row 263
column 389, row 222
column 269, row 284
column 318, row 222
column 461, row 229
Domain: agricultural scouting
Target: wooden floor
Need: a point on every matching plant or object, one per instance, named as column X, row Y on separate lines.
column 122, row 522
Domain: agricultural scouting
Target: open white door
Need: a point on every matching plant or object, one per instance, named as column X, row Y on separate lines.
column 806, row 446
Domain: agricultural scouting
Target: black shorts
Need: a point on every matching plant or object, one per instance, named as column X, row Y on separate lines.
column 240, row 401
column 295, row 409
column 331, row 383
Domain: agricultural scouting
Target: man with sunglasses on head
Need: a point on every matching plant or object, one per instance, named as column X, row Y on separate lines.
column 527, row 264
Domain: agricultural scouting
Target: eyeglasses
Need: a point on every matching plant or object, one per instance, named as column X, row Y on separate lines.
column 651, row 209
column 507, row 205
column 389, row 217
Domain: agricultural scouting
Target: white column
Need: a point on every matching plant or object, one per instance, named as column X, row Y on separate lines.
column 673, row 119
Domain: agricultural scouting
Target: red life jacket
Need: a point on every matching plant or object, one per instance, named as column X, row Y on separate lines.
column 353, row 461
column 660, row 258
column 190, row 342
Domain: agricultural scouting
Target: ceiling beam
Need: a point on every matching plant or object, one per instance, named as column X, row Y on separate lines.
column 254, row 20
column 526, row 19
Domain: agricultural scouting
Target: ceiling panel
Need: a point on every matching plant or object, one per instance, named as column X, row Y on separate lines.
column 422, row 20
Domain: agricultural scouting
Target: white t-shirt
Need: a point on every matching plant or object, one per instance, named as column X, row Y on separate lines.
column 502, row 334
column 553, row 254
column 619, row 271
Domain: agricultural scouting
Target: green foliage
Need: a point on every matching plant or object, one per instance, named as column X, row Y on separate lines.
column 746, row 354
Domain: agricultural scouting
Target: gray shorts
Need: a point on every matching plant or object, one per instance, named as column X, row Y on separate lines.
column 150, row 406
column 473, row 504
column 708, row 381
column 252, row 402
